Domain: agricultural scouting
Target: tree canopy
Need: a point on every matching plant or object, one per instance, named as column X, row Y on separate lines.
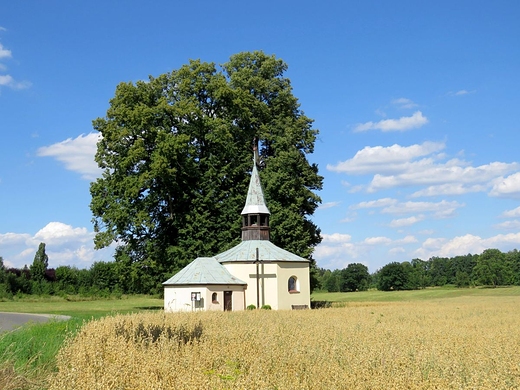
column 176, row 158
column 40, row 263
column 355, row 277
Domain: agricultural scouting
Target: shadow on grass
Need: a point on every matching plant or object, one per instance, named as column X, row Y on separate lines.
column 149, row 307
column 321, row 304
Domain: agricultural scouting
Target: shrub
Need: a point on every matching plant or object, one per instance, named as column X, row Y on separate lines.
column 150, row 333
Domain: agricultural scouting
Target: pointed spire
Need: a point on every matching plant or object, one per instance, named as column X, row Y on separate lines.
column 255, row 202
column 255, row 215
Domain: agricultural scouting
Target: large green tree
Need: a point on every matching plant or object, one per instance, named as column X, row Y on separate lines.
column 176, row 158
column 40, row 264
column 492, row 268
column 355, row 278
column 394, row 276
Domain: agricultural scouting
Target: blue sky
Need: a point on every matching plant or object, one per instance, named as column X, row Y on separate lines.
column 416, row 103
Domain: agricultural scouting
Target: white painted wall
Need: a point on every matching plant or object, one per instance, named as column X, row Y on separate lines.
column 178, row 298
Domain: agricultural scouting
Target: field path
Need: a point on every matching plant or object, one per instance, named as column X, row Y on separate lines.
column 10, row 321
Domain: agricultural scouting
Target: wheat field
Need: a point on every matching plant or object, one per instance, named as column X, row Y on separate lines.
column 460, row 343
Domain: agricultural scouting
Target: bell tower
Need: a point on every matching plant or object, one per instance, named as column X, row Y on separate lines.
column 255, row 215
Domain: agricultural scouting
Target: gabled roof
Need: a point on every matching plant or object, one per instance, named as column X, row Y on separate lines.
column 267, row 251
column 255, row 203
column 203, row 270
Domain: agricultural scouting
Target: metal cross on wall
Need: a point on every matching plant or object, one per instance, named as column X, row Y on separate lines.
column 260, row 275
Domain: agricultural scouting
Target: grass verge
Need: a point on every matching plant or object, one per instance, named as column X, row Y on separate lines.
column 28, row 354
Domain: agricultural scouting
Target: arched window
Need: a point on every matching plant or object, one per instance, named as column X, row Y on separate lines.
column 214, row 298
column 292, row 285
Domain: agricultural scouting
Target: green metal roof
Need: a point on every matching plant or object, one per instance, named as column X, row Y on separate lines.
column 267, row 251
column 203, row 270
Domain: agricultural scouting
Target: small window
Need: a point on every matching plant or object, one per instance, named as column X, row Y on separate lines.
column 197, row 300
column 254, row 220
column 293, row 285
column 214, row 298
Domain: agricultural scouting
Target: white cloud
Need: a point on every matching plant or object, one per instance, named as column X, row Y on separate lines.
column 402, row 124
column 426, row 172
column 503, row 241
column 337, row 250
column 60, row 233
column 81, row 256
column 328, row 205
column 397, row 250
column 450, row 189
column 404, row 103
column 437, row 208
column 377, row 159
column 383, row 202
column 468, row 243
column 511, row 213
column 336, row 238
column 508, row 187
column 13, row 239
column 509, row 225
column 377, row 241
column 7, row 80
column 406, row 240
column 442, row 247
column 422, row 210
column 4, row 53
column 402, row 222
column 380, row 112
column 461, row 92
column 65, row 245
column 77, row 154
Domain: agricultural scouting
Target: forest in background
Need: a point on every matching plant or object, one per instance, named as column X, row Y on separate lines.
column 103, row 279
column 490, row 268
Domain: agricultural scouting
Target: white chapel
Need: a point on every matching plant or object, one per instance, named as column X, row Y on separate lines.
column 255, row 272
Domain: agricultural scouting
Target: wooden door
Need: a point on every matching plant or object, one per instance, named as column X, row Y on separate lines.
column 228, row 305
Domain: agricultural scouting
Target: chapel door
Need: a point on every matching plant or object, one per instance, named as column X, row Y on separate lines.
column 228, row 306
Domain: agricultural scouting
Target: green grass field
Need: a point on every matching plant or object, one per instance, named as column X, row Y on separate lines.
column 415, row 295
column 86, row 309
column 81, row 308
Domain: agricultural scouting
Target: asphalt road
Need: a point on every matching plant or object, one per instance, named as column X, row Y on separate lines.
column 10, row 321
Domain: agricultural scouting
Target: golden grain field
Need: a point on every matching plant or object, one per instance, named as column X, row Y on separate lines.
column 462, row 343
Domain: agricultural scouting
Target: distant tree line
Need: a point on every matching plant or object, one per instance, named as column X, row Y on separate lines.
column 102, row 279
column 491, row 268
